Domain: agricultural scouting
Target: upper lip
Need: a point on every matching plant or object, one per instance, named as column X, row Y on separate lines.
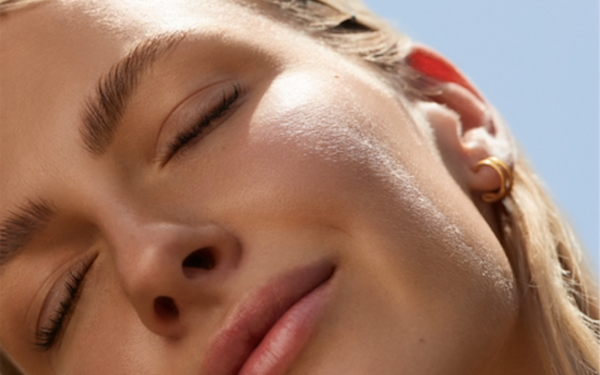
column 257, row 314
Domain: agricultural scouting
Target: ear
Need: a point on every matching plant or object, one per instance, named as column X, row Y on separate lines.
column 466, row 127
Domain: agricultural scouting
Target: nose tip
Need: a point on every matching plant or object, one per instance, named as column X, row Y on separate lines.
column 167, row 270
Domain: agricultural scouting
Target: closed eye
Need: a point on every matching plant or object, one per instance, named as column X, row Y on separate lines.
column 50, row 330
column 207, row 122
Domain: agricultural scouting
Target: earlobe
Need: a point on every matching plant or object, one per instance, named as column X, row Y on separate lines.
column 465, row 127
column 504, row 173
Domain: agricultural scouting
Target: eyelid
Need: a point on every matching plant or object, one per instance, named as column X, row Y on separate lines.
column 189, row 111
column 60, row 294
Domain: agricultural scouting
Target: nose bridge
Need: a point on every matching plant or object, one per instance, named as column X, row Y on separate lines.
column 166, row 268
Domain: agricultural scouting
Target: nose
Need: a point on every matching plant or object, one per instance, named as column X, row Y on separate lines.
column 167, row 270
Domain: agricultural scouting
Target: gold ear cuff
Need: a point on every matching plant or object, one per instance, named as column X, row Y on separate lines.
column 506, row 176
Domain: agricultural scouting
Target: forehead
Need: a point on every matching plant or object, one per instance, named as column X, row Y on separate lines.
column 53, row 55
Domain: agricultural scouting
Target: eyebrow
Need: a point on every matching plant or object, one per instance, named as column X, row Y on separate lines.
column 20, row 227
column 104, row 110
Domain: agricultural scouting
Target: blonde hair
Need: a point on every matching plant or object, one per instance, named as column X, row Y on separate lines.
column 558, row 294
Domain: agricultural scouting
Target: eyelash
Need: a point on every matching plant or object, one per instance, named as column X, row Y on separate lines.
column 198, row 128
column 47, row 334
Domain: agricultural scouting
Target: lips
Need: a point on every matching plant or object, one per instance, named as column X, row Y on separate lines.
column 271, row 325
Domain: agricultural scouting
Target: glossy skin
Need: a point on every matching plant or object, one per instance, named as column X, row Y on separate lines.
column 316, row 162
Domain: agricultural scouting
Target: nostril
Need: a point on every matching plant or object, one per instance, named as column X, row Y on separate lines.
column 166, row 308
column 199, row 259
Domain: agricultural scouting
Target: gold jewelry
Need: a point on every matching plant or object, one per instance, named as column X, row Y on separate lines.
column 506, row 177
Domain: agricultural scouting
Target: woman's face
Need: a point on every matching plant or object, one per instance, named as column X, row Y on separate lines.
column 191, row 188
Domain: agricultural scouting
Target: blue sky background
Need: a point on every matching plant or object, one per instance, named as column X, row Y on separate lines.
column 537, row 62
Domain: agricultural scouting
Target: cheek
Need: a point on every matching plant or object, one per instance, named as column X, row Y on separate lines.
column 310, row 137
column 416, row 228
column 107, row 335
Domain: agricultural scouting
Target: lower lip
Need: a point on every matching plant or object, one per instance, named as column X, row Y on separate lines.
column 288, row 336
